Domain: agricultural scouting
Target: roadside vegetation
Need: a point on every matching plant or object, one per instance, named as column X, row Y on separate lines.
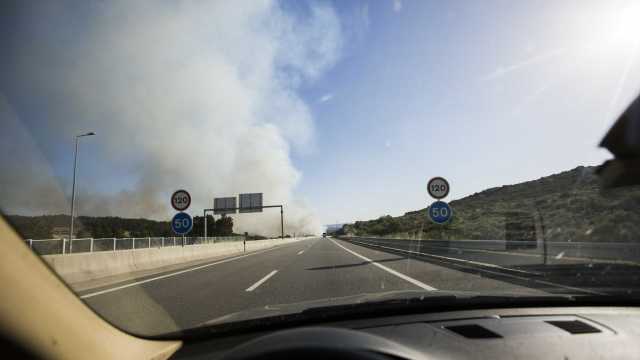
column 569, row 206
column 56, row 226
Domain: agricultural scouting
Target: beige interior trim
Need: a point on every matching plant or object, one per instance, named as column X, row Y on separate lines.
column 39, row 311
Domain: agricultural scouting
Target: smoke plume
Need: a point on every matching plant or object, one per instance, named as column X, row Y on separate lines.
column 196, row 95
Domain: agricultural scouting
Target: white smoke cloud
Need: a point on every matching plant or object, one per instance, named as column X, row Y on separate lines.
column 227, row 72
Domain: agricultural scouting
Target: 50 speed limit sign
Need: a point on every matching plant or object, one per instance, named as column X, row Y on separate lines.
column 182, row 223
column 180, row 200
column 440, row 212
column 438, row 187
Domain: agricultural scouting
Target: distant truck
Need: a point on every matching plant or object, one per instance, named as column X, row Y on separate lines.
column 324, row 235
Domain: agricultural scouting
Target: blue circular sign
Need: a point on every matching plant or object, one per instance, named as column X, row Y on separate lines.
column 440, row 212
column 181, row 223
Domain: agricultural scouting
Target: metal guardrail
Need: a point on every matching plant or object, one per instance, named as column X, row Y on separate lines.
column 84, row 245
column 628, row 252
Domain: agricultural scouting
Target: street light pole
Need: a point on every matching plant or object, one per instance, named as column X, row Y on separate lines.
column 282, row 222
column 73, row 190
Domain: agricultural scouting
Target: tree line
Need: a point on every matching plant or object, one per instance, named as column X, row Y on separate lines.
column 50, row 226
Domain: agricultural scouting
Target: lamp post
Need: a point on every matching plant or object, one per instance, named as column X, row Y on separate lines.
column 73, row 190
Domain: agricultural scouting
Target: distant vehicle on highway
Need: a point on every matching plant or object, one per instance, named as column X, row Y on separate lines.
column 324, row 235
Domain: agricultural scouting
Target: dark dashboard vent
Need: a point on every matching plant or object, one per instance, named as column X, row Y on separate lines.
column 473, row 331
column 575, row 327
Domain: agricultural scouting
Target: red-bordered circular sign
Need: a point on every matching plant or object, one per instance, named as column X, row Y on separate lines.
column 438, row 187
column 180, row 200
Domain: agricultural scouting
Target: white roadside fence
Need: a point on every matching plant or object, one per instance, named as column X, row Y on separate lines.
column 88, row 245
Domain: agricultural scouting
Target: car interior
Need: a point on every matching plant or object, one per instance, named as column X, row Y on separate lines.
column 43, row 317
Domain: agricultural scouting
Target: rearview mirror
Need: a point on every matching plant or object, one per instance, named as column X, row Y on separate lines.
column 623, row 141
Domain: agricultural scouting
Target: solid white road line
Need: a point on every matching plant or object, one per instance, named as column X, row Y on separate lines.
column 261, row 281
column 300, row 252
column 86, row 296
column 391, row 271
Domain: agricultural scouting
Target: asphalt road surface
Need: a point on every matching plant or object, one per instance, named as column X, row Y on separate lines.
column 317, row 268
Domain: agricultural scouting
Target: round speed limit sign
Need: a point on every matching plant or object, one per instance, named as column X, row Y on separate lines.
column 182, row 223
column 180, row 200
column 438, row 187
column 440, row 212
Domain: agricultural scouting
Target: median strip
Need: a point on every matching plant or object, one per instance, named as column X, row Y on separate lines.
column 391, row 271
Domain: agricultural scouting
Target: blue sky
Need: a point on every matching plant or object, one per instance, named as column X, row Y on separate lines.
column 419, row 95
column 340, row 109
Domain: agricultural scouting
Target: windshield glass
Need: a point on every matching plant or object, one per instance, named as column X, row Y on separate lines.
column 182, row 164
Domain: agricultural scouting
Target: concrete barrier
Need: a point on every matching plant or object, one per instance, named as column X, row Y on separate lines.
column 90, row 266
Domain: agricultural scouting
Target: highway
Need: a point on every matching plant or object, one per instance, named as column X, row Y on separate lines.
column 311, row 269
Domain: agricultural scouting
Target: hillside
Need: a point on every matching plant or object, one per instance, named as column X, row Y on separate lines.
column 569, row 206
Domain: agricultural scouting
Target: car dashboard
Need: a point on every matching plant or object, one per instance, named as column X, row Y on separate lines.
column 528, row 333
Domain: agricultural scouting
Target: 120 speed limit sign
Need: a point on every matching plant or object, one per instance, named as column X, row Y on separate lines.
column 438, row 188
column 180, row 200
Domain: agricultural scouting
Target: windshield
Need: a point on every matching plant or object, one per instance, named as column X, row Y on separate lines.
column 187, row 164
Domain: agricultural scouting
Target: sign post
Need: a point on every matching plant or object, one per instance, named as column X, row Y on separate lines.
column 204, row 214
column 182, row 223
column 439, row 212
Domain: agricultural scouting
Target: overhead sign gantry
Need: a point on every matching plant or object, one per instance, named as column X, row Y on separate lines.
column 249, row 203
